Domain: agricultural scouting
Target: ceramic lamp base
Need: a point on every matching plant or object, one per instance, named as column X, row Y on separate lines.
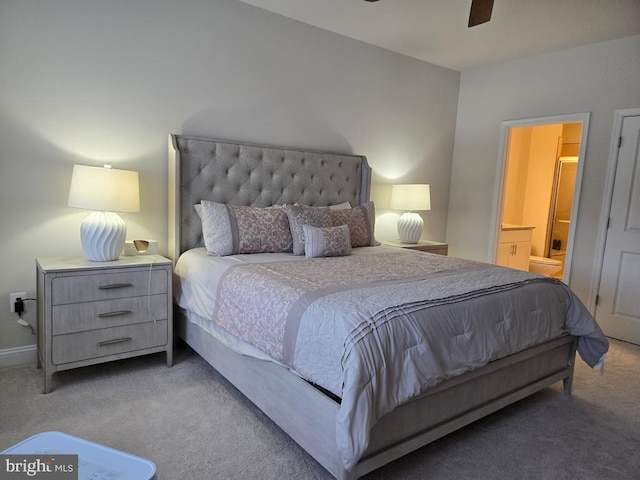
column 410, row 226
column 102, row 235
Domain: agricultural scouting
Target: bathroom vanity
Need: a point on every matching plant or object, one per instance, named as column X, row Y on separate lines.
column 514, row 246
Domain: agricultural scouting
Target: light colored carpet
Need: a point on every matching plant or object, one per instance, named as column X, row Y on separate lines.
column 194, row 425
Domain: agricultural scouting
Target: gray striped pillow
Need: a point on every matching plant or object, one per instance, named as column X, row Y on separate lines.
column 326, row 241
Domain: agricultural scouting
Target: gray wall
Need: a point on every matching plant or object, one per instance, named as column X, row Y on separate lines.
column 91, row 81
column 598, row 78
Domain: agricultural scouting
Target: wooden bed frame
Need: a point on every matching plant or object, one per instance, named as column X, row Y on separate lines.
column 305, row 413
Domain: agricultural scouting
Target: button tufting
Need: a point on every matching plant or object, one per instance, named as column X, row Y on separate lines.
column 252, row 175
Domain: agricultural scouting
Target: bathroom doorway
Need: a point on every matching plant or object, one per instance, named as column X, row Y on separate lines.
column 540, row 178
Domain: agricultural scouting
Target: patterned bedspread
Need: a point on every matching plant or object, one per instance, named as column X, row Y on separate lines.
column 377, row 330
column 271, row 298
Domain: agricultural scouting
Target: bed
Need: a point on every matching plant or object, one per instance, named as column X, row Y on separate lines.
column 338, row 349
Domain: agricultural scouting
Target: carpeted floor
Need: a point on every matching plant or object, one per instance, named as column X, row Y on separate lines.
column 194, row 425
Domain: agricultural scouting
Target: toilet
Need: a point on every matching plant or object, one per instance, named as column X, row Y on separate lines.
column 544, row 266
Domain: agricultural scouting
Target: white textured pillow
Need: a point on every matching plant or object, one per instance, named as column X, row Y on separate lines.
column 326, row 242
column 232, row 229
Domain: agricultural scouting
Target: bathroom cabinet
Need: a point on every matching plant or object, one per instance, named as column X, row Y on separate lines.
column 514, row 247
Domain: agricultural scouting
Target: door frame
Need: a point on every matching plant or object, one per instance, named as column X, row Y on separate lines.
column 601, row 239
column 501, row 178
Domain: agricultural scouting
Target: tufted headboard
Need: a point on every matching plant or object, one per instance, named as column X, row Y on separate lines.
column 246, row 174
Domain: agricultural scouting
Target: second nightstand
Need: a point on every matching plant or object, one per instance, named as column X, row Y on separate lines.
column 94, row 312
column 423, row 246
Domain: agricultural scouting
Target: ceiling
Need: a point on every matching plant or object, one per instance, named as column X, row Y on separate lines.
column 436, row 30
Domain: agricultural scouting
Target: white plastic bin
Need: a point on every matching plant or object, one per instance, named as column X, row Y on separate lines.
column 95, row 461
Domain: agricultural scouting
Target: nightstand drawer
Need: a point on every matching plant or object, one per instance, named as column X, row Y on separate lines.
column 78, row 317
column 109, row 341
column 105, row 286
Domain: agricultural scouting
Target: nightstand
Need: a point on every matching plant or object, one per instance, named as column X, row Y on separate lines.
column 423, row 246
column 95, row 312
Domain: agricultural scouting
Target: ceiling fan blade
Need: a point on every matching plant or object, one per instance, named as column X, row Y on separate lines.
column 480, row 12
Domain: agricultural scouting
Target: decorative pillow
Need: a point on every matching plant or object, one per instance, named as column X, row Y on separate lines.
column 326, row 242
column 232, row 229
column 301, row 215
column 361, row 223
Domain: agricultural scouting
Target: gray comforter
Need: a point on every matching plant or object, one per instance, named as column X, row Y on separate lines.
column 379, row 328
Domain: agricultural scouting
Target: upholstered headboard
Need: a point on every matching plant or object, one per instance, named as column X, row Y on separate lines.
column 246, row 174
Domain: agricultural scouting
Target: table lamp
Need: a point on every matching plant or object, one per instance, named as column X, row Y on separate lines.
column 410, row 198
column 106, row 191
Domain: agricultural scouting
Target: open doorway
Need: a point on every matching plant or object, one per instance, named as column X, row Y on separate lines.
column 539, row 190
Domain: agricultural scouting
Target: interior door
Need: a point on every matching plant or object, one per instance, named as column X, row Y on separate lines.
column 618, row 306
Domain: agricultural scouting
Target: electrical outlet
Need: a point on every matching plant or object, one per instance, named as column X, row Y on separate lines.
column 12, row 300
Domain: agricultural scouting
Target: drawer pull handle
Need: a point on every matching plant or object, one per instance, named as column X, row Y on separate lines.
column 114, row 285
column 115, row 340
column 114, row 314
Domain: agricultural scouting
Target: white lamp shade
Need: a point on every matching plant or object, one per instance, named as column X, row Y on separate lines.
column 106, row 190
column 411, row 197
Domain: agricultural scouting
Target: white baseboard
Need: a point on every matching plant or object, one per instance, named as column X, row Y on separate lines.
column 12, row 357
